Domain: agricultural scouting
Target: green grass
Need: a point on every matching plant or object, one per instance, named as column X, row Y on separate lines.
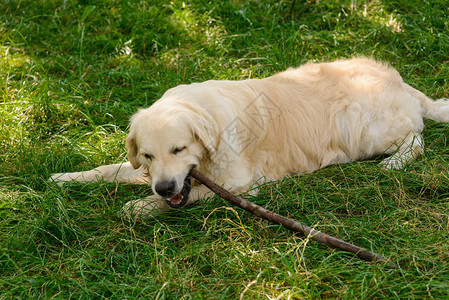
column 73, row 72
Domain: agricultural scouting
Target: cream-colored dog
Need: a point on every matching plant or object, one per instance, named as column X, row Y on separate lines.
column 241, row 133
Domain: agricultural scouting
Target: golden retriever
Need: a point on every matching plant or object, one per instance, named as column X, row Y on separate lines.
column 242, row 133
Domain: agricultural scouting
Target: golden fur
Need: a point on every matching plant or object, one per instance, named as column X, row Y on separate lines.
column 244, row 132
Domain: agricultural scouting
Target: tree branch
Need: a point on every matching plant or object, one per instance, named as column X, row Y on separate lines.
column 286, row 222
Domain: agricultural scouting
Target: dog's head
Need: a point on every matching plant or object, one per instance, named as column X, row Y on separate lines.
column 168, row 141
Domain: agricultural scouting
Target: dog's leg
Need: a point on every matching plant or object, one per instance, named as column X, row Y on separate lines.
column 146, row 208
column 121, row 173
column 154, row 205
column 410, row 148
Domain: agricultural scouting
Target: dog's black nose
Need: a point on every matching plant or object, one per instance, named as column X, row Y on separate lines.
column 165, row 188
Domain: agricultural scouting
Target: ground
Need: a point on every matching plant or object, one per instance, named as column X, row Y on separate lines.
column 73, row 72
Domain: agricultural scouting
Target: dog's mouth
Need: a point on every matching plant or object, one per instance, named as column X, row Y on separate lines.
column 181, row 198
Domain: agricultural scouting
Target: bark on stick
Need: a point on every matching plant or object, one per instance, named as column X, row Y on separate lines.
column 286, row 222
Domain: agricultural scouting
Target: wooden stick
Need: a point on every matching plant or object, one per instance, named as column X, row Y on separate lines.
column 286, row 222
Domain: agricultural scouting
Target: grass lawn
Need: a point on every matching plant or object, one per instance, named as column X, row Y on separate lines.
column 73, row 72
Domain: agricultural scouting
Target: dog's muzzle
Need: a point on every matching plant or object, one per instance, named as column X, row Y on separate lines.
column 181, row 198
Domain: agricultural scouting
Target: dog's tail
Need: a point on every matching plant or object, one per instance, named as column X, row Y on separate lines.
column 437, row 110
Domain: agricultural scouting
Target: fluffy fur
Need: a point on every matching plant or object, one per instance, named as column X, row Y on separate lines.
column 244, row 132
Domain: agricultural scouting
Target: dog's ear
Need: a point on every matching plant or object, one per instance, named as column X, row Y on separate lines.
column 205, row 130
column 131, row 146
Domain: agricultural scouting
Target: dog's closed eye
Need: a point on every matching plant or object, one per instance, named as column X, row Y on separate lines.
column 178, row 149
column 148, row 156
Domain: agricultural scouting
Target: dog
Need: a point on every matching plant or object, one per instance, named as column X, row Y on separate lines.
column 245, row 133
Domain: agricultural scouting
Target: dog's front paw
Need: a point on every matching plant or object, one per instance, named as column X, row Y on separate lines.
column 144, row 208
column 59, row 178
column 392, row 163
